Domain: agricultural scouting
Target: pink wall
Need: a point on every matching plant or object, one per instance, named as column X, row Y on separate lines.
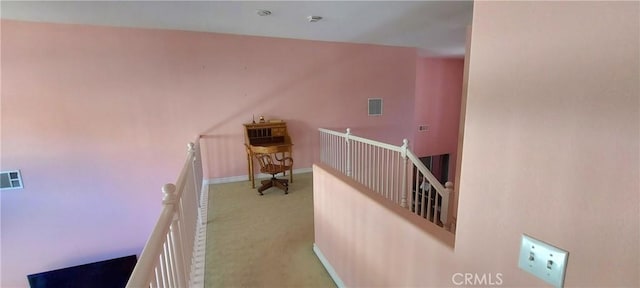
column 98, row 118
column 550, row 149
column 309, row 85
column 438, row 94
column 371, row 242
column 552, row 137
column 551, row 143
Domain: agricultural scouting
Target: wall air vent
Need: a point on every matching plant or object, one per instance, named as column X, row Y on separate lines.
column 375, row 106
column 10, row 180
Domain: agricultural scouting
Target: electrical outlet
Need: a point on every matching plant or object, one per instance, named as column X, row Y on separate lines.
column 423, row 128
column 543, row 260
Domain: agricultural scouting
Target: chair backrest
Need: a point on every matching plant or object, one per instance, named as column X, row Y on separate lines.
column 268, row 159
column 264, row 159
column 267, row 165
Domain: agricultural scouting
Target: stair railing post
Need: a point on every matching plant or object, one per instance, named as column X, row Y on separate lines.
column 444, row 209
column 346, row 138
column 446, row 201
column 191, row 152
column 404, row 191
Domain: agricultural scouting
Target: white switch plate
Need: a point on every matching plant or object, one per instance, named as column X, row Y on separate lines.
column 543, row 260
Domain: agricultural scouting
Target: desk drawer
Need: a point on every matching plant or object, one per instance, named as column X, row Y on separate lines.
column 270, row 149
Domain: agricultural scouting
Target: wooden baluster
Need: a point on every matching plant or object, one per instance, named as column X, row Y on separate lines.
column 348, row 151
column 425, row 187
column 170, row 261
column 415, row 192
column 164, row 278
column 333, row 153
column 394, row 174
column 378, row 167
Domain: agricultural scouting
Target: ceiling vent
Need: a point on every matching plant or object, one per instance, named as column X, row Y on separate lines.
column 261, row 12
column 313, row 19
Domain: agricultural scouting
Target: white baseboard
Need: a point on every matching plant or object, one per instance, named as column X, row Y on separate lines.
column 328, row 267
column 227, row 179
column 246, row 177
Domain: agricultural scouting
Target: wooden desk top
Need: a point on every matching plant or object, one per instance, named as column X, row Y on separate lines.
column 271, row 148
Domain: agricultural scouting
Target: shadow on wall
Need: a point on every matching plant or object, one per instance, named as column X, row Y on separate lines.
column 276, row 95
column 303, row 112
column 275, row 102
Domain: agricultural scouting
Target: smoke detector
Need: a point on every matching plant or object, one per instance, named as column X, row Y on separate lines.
column 262, row 12
column 314, row 18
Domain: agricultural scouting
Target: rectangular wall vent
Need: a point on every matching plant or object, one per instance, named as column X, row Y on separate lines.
column 10, row 180
column 375, row 106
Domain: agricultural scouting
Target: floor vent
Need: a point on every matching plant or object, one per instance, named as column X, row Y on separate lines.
column 10, row 180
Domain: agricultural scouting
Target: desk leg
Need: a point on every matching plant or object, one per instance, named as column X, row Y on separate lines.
column 250, row 169
column 291, row 169
column 253, row 177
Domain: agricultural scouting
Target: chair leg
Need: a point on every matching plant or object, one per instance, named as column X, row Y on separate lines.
column 266, row 184
column 282, row 184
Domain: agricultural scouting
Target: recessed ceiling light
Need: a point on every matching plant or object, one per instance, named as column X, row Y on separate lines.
column 261, row 12
column 314, row 18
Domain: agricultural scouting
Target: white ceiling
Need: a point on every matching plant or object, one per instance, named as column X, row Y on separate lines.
column 436, row 28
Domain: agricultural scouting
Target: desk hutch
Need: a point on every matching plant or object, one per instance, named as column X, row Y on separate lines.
column 269, row 136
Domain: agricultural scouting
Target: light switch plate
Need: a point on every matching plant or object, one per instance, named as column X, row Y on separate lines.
column 543, row 260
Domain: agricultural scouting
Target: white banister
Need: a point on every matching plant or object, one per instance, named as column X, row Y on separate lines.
column 146, row 265
column 167, row 260
column 391, row 171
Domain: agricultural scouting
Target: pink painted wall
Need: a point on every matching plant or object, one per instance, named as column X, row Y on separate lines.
column 309, row 85
column 438, row 94
column 371, row 242
column 551, row 143
column 551, row 149
column 98, row 118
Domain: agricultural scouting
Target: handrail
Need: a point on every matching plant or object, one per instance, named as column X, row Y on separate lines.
column 167, row 260
column 385, row 169
column 364, row 140
column 147, row 263
column 427, row 174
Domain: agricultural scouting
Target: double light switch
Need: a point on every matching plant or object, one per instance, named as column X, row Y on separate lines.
column 543, row 260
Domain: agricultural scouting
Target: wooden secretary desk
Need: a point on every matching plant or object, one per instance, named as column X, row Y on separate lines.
column 272, row 135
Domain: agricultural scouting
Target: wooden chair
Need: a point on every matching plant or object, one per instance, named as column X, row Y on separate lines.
column 269, row 166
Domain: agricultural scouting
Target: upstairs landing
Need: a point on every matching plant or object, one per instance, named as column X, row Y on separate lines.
column 263, row 241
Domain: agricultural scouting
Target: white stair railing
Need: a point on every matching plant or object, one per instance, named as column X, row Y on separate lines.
column 391, row 171
column 169, row 258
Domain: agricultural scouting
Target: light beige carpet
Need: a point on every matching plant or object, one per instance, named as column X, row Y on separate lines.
column 262, row 241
